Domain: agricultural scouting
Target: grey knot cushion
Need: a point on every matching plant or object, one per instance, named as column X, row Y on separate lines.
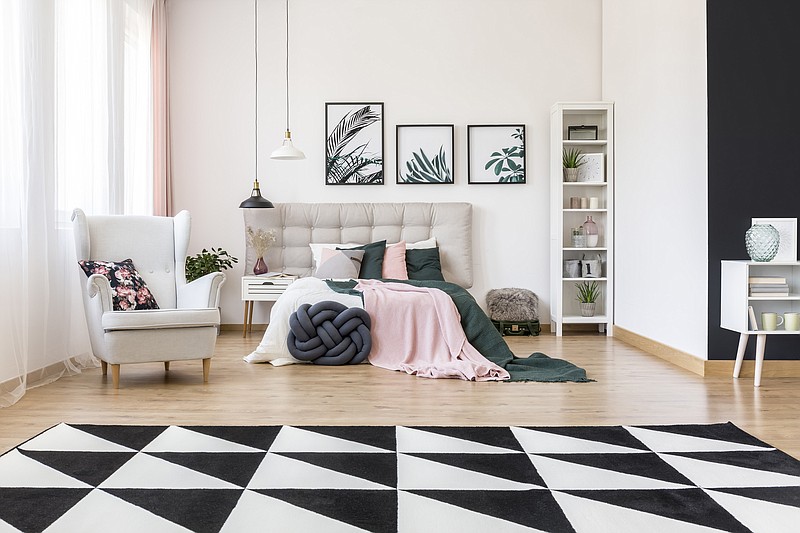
column 512, row 305
column 329, row 333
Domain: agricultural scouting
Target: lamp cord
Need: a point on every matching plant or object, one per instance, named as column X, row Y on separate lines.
column 255, row 28
column 287, row 65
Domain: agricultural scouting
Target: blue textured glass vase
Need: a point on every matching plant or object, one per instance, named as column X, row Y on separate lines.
column 762, row 242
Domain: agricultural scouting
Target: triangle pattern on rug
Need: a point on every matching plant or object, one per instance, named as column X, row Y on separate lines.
column 593, row 516
column 145, row 471
column 294, row 439
column 536, row 509
column 665, row 441
column 65, row 438
column 513, row 466
column 498, row 437
column 90, row 467
column 383, row 437
column 99, row 510
column 781, row 495
column 194, row 509
column 758, row 514
column 420, row 514
column 715, row 475
column 371, row 510
column 258, row 437
column 178, row 439
column 133, row 437
column 19, row 470
column 648, row 465
column 423, row 474
column 726, row 432
column 770, row 461
column 413, row 440
column 545, row 442
column 379, row 468
column 564, row 475
column 614, row 435
column 254, row 510
column 233, row 467
column 42, row 506
column 280, row 472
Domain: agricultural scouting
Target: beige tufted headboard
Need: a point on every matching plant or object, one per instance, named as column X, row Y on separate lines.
column 298, row 224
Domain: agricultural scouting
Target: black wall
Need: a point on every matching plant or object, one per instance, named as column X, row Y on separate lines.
column 753, row 139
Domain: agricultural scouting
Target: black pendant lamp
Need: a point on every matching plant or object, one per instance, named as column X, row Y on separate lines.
column 256, row 200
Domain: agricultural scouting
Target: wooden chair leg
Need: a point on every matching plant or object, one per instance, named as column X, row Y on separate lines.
column 104, row 367
column 166, row 366
column 206, row 369
column 115, row 375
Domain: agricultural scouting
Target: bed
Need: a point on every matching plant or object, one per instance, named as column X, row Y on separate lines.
column 463, row 344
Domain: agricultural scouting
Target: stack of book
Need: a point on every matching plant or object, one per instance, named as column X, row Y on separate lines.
column 768, row 286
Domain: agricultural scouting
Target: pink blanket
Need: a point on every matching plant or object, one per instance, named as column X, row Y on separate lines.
column 418, row 330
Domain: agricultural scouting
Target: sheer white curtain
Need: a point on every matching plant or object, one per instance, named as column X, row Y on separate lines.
column 75, row 131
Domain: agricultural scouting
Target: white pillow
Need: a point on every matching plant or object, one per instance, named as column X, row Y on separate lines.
column 339, row 264
column 316, row 251
column 421, row 245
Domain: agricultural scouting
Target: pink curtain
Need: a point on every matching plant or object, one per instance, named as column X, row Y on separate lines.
column 162, row 157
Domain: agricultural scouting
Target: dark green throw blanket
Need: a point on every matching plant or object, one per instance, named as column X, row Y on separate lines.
column 482, row 334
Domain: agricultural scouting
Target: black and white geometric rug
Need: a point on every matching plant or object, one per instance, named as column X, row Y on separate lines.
column 692, row 478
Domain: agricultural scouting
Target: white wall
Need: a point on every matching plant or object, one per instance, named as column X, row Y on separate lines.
column 443, row 61
column 654, row 69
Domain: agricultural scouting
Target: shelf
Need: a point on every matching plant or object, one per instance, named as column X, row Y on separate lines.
column 596, row 249
column 772, row 332
column 586, row 183
column 773, row 298
column 585, row 210
column 578, row 142
column 584, row 279
column 577, row 319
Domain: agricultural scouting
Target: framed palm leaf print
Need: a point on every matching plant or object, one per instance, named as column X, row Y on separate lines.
column 425, row 153
column 496, row 153
column 353, row 143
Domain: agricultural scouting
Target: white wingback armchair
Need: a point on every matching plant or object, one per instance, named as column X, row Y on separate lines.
column 185, row 325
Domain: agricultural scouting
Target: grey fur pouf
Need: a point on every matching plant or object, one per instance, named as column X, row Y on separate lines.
column 512, row 305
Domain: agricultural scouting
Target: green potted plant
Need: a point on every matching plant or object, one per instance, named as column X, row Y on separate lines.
column 207, row 262
column 572, row 158
column 588, row 293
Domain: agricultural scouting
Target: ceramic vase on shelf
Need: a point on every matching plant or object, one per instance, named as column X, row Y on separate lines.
column 260, row 267
column 592, row 234
column 587, row 309
column 762, row 242
column 570, row 174
column 578, row 238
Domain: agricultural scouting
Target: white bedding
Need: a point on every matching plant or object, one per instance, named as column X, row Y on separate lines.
column 274, row 347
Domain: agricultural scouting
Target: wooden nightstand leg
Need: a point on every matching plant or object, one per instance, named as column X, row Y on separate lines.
column 761, row 342
column 743, row 337
column 250, row 318
column 244, row 320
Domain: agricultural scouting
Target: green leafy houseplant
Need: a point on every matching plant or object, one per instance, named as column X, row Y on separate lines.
column 207, row 262
column 572, row 158
column 588, row 293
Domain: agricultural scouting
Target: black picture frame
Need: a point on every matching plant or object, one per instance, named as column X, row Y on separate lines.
column 582, row 133
column 414, row 165
column 496, row 154
column 354, row 143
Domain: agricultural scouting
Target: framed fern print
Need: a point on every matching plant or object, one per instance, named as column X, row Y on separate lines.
column 496, row 153
column 354, row 143
column 425, row 153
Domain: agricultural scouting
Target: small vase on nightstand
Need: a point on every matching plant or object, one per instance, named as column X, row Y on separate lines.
column 260, row 267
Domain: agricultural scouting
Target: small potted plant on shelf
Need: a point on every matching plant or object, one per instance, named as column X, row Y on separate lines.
column 207, row 262
column 588, row 293
column 572, row 159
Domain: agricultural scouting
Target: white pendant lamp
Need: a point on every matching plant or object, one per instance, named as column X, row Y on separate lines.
column 287, row 151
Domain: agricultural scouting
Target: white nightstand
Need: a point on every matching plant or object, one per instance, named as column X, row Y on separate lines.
column 264, row 288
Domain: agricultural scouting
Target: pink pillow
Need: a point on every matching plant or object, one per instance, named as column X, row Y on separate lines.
column 394, row 261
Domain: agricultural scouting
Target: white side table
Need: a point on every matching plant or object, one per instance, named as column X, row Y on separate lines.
column 264, row 288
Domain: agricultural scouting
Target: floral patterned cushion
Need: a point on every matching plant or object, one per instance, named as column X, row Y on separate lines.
column 128, row 289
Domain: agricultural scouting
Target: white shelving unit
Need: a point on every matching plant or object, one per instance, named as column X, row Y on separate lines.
column 564, row 307
column 735, row 301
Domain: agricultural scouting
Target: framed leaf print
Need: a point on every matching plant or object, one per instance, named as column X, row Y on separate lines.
column 425, row 153
column 496, row 153
column 354, row 143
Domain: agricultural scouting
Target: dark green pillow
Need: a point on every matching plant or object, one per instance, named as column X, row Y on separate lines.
column 424, row 264
column 372, row 264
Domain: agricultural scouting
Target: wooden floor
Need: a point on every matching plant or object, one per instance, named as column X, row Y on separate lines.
column 632, row 388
